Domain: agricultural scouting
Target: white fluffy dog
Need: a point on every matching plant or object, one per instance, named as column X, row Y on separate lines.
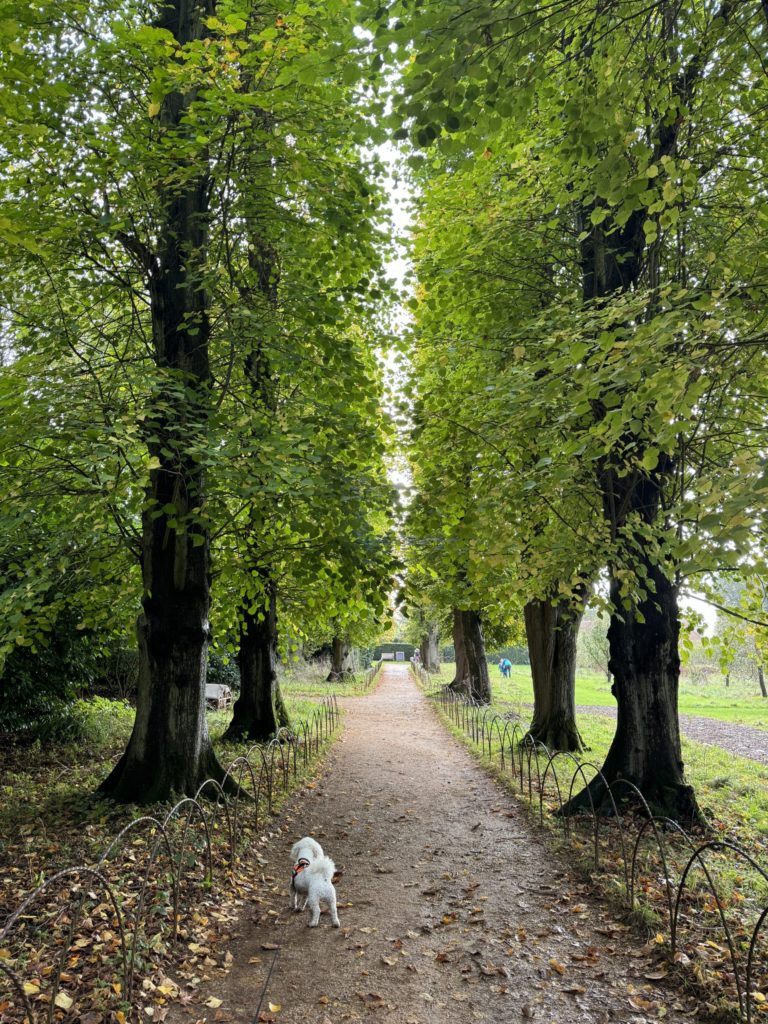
column 312, row 877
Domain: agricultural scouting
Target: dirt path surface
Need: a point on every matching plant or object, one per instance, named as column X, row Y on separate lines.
column 452, row 908
column 742, row 740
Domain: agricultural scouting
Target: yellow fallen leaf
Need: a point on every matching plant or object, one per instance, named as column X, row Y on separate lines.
column 213, row 1002
column 117, row 988
column 119, row 1017
column 275, row 1007
column 63, row 1001
column 5, row 954
column 660, row 938
column 30, row 989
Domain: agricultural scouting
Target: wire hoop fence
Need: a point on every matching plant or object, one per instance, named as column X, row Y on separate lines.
column 120, row 916
column 370, row 674
column 710, row 898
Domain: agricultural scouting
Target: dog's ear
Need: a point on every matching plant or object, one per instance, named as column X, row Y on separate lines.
column 336, row 876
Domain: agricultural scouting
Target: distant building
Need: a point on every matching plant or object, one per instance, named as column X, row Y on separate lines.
column 396, row 652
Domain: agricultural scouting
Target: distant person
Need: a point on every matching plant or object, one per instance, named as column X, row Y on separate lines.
column 416, row 657
column 505, row 667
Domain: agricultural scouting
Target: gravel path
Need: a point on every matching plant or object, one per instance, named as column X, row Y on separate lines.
column 453, row 909
column 743, row 740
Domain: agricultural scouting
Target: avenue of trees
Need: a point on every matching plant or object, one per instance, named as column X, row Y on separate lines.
column 195, row 303
column 192, row 295
column 589, row 342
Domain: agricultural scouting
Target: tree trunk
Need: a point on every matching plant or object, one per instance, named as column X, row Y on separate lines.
column 475, row 682
column 645, row 663
column 552, row 628
column 459, row 681
column 761, row 680
column 430, row 656
column 727, row 680
column 259, row 711
column 341, row 660
column 169, row 751
column 643, row 640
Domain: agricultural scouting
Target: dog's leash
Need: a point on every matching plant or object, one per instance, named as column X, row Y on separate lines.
column 264, row 989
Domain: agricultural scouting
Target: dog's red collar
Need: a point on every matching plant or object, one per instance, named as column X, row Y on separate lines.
column 299, row 866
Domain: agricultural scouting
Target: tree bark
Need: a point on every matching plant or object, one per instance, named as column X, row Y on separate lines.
column 169, row 751
column 643, row 639
column 475, row 682
column 761, row 680
column 259, row 711
column 430, row 656
column 552, row 628
column 645, row 662
column 459, row 681
column 341, row 660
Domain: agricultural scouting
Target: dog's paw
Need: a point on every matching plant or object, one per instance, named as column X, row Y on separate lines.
column 336, row 923
column 313, row 924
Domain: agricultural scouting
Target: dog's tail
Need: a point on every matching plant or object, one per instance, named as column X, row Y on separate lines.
column 324, row 867
column 307, row 844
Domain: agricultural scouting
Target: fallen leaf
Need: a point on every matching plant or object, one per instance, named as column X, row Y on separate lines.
column 641, row 1004
column 63, row 1001
column 275, row 1007
column 556, row 966
column 269, row 945
column 657, row 974
column 213, row 1002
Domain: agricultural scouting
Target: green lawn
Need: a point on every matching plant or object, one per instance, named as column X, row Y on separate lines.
column 737, row 703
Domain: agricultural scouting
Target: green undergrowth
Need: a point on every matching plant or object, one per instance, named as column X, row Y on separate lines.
column 739, row 703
